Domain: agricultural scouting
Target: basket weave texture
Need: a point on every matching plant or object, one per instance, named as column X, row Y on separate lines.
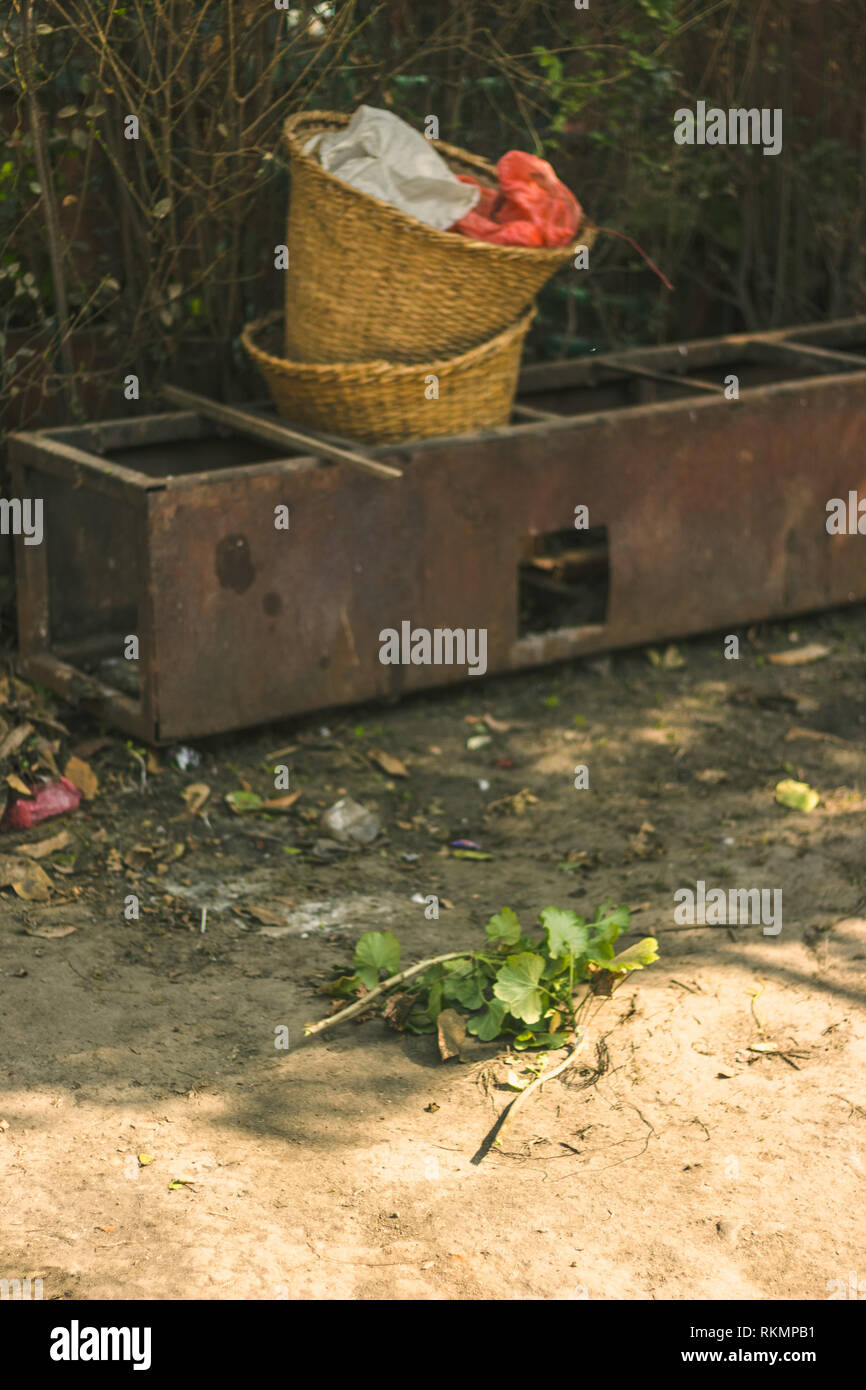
column 384, row 402
column 366, row 281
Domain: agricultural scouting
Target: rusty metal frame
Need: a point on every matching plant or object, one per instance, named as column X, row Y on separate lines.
column 715, row 511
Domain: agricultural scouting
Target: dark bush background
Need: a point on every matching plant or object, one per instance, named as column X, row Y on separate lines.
column 147, row 256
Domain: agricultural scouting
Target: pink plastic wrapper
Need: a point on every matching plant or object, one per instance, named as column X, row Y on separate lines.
column 530, row 208
column 51, row 799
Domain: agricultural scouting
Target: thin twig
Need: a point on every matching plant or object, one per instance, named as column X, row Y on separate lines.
column 364, row 1003
column 539, row 1081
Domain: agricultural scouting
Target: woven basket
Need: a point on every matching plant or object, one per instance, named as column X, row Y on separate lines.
column 367, row 281
column 385, row 402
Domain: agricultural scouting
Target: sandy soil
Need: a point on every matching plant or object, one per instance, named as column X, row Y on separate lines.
column 677, row 1162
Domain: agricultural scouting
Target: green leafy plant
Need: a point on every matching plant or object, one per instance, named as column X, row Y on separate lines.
column 532, row 991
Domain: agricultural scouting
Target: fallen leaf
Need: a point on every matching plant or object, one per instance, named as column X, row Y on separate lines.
column 514, row 805
column 711, row 775
column 90, row 746
column 262, row 913
column 137, row 856
column 170, row 853
column 15, row 782
column 797, row 732
column 177, row 1183
column 195, row 796
column 514, row 1082
column 153, row 763
column 281, row 752
column 280, row 803
column 243, row 802
column 797, row 796
column 478, row 741
column 431, row 1110
column 46, row 754
column 799, row 656
column 497, row 725
column 388, row 763
column 13, row 741
column 4, row 1125
column 43, row 847
column 469, row 854
column 144, row 1159
column 645, row 842
column 764, row 1047
column 451, row 1032
column 398, row 1009
column 82, row 776
column 670, row 660
column 27, row 880
column 106, row 1229
column 49, row 933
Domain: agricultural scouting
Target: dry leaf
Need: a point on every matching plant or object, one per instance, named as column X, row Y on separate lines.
column 497, row 725
column 711, row 775
column 43, row 847
column 262, row 913
column 280, row 803
column 12, row 742
column 799, row 656
column 388, row 763
column 451, row 1031
column 195, row 796
column 152, row 762
column 137, row 857
column 89, row 747
column 14, row 781
column 813, row 733
column 31, row 883
column 82, row 776
column 46, row 754
column 49, row 933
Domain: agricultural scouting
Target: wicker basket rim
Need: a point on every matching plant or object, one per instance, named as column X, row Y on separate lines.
column 378, row 367
column 329, row 120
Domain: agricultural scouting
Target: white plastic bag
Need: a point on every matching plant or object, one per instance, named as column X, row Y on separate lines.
column 383, row 156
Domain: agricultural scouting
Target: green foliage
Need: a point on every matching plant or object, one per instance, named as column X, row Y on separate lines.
column 517, row 987
column 376, row 951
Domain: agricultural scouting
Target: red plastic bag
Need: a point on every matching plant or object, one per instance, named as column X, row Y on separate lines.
column 531, row 208
column 50, row 799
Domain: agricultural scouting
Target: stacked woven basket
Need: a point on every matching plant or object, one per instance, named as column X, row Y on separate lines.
column 393, row 330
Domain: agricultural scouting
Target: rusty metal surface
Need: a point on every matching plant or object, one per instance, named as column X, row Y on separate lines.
column 715, row 514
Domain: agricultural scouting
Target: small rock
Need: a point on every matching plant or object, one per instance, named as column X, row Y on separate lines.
column 349, row 823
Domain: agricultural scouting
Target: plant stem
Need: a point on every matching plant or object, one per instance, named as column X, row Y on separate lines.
column 539, row 1081
column 362, row 1004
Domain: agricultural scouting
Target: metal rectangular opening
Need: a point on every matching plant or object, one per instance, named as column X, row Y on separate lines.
column 564, row 581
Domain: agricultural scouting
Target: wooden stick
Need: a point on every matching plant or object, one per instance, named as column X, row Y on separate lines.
column 539, row 1081
column 634, row 369
column 274, row 432
column 364, row 1003
column 822, row 359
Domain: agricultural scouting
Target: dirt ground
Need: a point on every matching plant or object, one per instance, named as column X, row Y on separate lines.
column 677, row 1162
